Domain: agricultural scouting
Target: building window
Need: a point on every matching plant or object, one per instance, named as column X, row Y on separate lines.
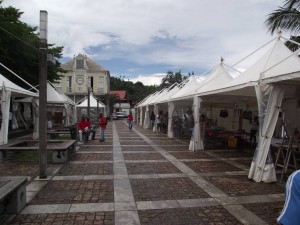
column 101, row 85
column 79, row 64
column 69, row 83
column 101, row 82
column 91, row 82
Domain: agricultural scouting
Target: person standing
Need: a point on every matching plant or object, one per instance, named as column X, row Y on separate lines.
column 290, row 212
column 152, row 119
column 159, row 122
column 102, row 123
column 130, row 119
column 49, row 120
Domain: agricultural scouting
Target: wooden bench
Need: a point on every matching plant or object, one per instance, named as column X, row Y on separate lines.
column 61, row 149
column 12, row 194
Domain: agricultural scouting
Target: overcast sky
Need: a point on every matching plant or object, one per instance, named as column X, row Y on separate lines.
column 143, row 39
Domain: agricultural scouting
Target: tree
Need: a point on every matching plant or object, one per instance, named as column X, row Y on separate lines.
column 292, row 46
column 172, row 78
column 286, row 18
column 135, row 91
column 19, row 49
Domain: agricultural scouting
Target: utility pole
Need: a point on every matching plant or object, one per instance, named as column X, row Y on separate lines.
column 43, row 95
column 89, row 103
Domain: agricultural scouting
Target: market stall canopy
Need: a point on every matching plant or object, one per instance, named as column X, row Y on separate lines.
column 187, row 89
column 93, row 102
column 149, row 99
column 160, row 94
column 55, row 97
column 165, row 98
column 218, row 78
column 277, row 64
column 16, row 91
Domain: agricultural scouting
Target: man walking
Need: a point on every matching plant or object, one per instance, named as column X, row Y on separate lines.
column 102, row 123
column 130, row 119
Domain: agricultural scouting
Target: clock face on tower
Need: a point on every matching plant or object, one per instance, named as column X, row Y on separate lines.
column 79, row 80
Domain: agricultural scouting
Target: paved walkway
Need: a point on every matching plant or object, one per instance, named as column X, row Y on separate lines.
column 140, row 177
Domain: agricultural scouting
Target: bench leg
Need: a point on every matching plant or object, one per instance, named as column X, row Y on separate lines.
column 2, row 156
column 17, row 201
column 59, row 156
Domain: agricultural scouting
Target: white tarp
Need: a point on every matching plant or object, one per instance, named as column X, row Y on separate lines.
column 171, row 107
column 16, row 91
column 196, row 142
column 93, row 102
column 218, row 78
column 278, row 63
column 141, row 116
column 147, row 124
column 53, row 96
column 188, row 89
column 8, row 90
column 156, row 117
column 270, row 99
column 5, row 102
column 35, row 106
column 165, row 97
column 15, row 110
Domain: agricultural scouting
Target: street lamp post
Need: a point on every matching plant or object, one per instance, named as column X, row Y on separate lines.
column 43, row 95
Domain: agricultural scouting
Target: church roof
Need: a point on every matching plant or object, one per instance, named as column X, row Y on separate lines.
column 121, row 94
column 89, row 64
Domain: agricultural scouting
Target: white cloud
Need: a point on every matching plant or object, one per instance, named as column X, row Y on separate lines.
column 191, row 33
column 154, row 79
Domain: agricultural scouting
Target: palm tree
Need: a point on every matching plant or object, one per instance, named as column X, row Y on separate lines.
column 286, row 18
column 172, row 78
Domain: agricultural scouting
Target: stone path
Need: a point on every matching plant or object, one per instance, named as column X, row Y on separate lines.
column 140, row 177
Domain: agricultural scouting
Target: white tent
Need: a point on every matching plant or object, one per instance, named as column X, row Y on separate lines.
column 82, row 105
column 55, row 99
column 93, row 102
column 264, row 80
column 8, row 90
column 218, row 77
column 187, row 90
column 278, row 63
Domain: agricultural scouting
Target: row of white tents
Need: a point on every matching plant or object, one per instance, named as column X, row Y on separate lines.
column 30, row 100
column 271, row 85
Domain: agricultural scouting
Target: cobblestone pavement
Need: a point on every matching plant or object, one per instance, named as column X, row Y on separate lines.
column 140, row 177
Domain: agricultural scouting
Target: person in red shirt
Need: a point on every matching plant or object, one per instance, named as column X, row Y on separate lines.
column 102, row 123
column 130, row 119
column 82, row 127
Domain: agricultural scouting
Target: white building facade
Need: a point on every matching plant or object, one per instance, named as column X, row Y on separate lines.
column 84, row 75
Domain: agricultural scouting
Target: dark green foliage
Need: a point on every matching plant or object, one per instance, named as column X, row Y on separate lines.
column 172, row 78
column 135, row 91
column 286, row 18
column 291, row 45
column 19, row 49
